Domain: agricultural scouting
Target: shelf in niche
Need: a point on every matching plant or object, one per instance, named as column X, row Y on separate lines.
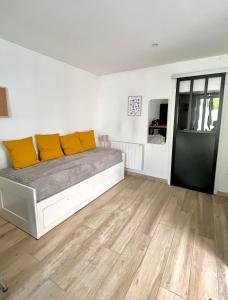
column 158, row 126
column 157, row 121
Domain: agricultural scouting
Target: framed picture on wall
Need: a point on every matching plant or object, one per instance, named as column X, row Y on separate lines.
column 134, row 105
column 3, row 103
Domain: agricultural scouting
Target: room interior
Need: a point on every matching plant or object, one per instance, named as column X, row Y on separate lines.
column 114, row 150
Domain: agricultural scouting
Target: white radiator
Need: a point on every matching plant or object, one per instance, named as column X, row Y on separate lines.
column 133, row 154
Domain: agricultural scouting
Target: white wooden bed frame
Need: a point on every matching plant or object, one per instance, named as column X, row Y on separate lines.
column 18, row 203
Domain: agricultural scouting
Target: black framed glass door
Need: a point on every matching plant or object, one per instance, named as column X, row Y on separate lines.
column 196, row 131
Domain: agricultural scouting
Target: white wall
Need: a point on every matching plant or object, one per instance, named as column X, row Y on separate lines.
column 47, row 96
column 154, row 83
column 44, row 95
column 221, row 181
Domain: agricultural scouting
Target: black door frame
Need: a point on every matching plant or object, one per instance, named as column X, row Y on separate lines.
column 176, row 118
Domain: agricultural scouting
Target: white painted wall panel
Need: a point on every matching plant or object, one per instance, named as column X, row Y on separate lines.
column 155, row 83
column 44, row 95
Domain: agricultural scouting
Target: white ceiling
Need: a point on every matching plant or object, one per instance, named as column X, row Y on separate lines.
column 106, row 36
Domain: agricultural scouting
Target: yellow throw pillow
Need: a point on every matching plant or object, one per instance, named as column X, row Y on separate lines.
column 22, row 153
column 49, row 146
column 71, row 144
column 87, row 139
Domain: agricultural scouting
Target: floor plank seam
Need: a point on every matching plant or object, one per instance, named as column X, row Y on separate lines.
column 113, row 251
column 184, row 298
column 168, row 254
column 217, row 267
column 217, row 275
column 35, row 258
column 117, row 263
column 137, row 228
column 5, row 233
column 171, row 245
column 193, row 246
column 135, row 273
column 150, row 236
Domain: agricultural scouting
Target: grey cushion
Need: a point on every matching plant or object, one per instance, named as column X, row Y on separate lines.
column 53, row 176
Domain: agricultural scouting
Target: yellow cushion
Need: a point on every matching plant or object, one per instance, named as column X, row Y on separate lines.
column 22, row 153
column 87, row 139
column 71, row 144
column 49, row 146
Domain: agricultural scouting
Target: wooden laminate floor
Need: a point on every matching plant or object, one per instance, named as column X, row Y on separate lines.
column 140, row 240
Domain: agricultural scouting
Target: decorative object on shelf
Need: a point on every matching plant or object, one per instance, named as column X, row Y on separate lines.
column 155, row 122
column 134, row 105
column 3, row 103
column 156, row 139
column 104, row 140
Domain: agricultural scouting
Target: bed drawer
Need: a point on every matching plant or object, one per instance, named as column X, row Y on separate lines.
column 59, row 207
column 52, row 213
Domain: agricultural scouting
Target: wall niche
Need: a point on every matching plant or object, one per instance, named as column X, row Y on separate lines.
column 157, row 121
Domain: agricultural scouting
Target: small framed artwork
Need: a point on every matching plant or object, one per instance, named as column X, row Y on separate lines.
column 3, row 103
column 134, row 105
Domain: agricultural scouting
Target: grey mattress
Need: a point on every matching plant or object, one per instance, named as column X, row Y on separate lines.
column 54, row 176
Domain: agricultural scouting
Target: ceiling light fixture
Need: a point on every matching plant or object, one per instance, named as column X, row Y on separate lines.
column 155, row 44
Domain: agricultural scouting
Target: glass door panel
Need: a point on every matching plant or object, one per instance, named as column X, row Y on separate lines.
column 214, row 84
column 211, row 113
column 197, row 112
column 185, row 86
column 183, row 111
column 199, row 85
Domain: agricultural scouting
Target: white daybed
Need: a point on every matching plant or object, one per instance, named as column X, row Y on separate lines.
column 23, row 204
